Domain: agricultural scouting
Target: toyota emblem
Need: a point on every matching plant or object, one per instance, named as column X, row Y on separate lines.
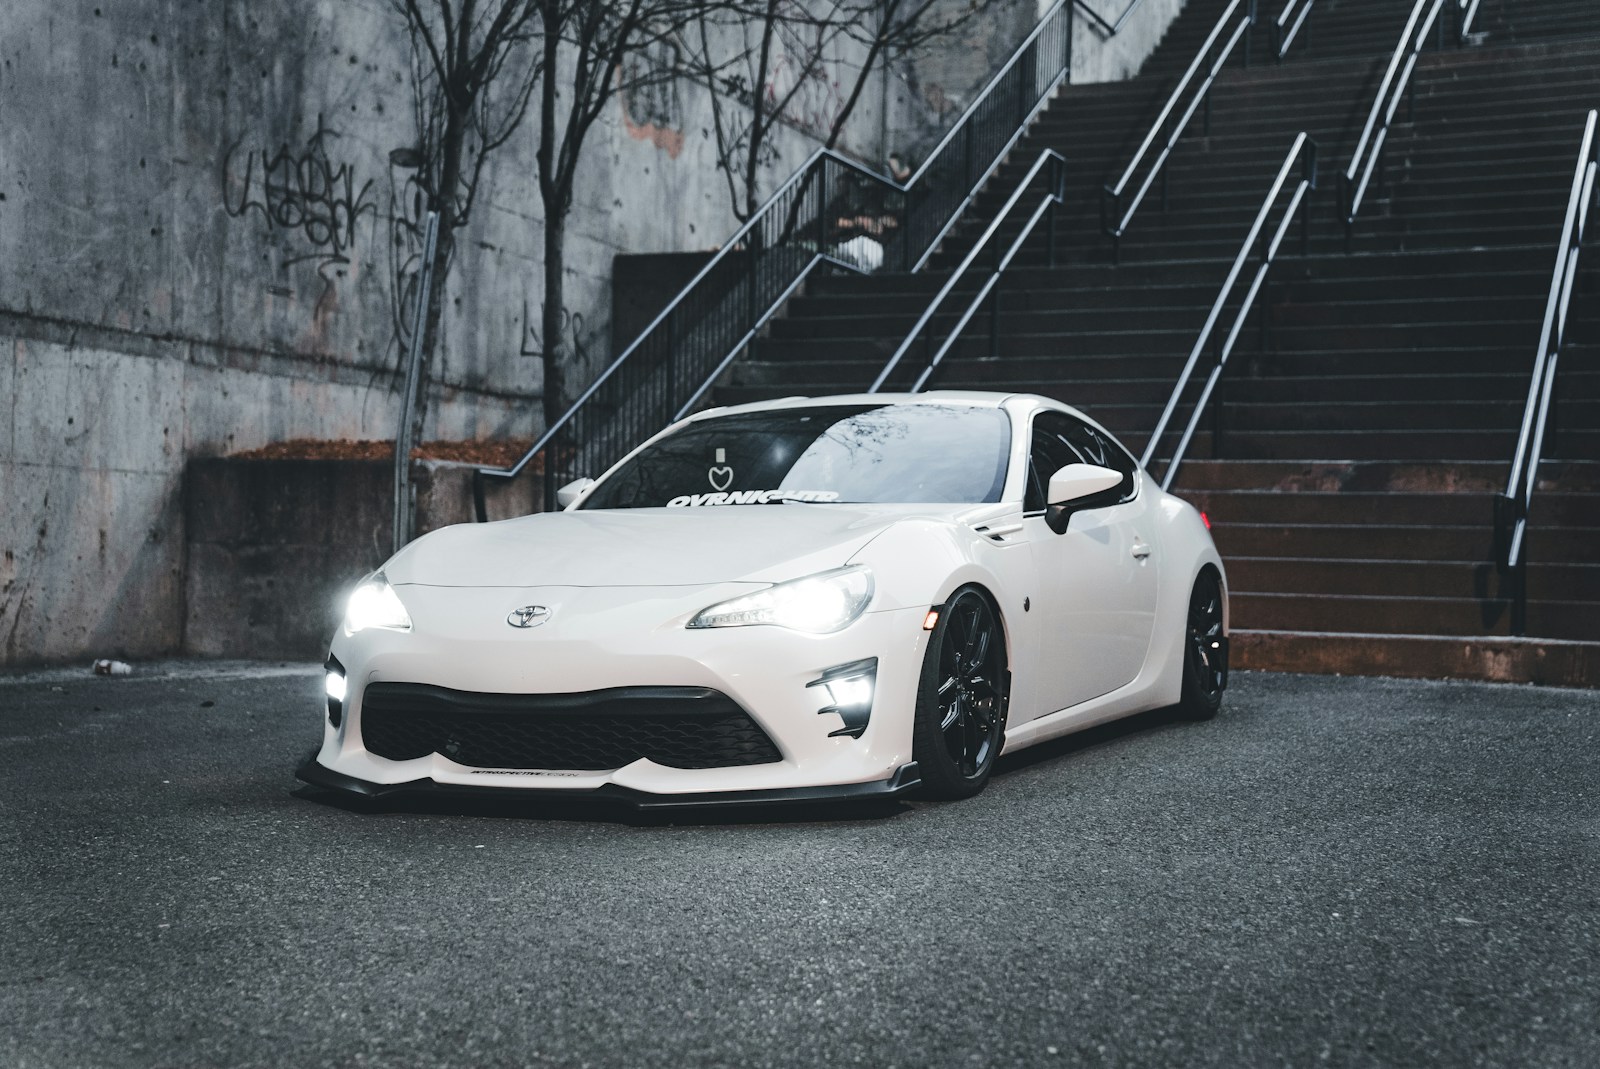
column 528, row 616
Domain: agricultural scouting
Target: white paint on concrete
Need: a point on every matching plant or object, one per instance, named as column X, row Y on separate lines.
column 1097, row 58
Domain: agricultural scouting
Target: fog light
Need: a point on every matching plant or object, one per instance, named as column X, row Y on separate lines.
column 849, row 689
column 336, row 686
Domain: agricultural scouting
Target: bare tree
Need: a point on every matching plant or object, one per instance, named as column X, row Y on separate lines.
column 474, row 66
column 583, row 72
column 760, row 74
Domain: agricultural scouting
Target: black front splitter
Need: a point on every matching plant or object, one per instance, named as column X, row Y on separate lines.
column 905, row 779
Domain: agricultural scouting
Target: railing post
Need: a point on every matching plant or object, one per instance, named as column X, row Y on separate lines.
column 1216, row 418
column 1071, row 27
column 822, row 203
column 1250, row 31
column 1050, row 223
column 966, row 156
column 1519, row 597
column 480, row 507
column 671, row 327
column 994, row 322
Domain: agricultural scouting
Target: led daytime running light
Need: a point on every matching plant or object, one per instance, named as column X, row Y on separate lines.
column 817, row 604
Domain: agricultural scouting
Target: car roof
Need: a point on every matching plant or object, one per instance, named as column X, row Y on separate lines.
column 974, row 398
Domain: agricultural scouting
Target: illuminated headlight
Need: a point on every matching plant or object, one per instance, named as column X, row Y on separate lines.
column 819, row 604
column 375, row 604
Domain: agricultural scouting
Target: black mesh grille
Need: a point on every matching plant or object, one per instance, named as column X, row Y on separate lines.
column 684, row 727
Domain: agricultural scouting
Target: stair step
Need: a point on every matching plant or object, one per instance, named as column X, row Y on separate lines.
column 1330, row 476
column 1491, row 659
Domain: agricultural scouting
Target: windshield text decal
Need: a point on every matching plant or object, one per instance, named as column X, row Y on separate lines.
column 751, row 497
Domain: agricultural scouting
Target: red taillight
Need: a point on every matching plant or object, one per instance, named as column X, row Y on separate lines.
column 1205, row 520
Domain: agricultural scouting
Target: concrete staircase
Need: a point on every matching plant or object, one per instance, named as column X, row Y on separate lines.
column 1366, row 421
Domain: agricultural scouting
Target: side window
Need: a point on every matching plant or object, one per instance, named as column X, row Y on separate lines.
column 1059, row 440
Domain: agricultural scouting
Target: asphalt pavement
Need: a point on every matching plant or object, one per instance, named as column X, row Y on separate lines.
column 1335, row 871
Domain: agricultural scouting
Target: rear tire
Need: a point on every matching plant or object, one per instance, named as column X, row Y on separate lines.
column 961, row 698
column 1205, row 650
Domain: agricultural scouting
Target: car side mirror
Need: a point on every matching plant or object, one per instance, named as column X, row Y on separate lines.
column 1077, row 488
column 571, row 492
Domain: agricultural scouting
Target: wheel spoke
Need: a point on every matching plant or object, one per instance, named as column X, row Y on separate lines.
column 952, row 713
column 969, row 699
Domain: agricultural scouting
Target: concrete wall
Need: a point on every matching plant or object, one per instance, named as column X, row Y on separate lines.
column 202, row 235
column 275, row 546
column 1097, row 58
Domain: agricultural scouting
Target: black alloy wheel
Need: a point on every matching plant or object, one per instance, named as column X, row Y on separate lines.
column 1205, row 650
column 961, row 702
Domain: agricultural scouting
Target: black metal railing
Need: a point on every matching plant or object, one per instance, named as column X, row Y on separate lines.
column 1366, row 162
column 1235, row 26
column 1288, row 26
column 1303, row 152
column 1051, row 169
column 832, row 212
column 1538, row 415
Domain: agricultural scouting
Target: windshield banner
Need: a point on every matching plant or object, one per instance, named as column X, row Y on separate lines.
column 751, row 497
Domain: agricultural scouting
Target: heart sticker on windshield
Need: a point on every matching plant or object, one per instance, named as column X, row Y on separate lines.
column 721, row 477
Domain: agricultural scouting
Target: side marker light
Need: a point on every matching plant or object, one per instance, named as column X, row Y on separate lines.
column 1205, row 520
column 930, row 621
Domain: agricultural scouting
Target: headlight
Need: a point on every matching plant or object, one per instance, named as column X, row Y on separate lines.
column 819, row 604
column 375, row 604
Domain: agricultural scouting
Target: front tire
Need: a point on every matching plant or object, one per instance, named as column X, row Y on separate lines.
column 1205, row 650
column 961, row 698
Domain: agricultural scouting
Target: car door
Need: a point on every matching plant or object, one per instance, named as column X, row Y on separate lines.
column 1097, row 581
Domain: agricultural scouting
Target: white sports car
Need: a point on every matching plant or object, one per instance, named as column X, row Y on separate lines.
column 833, row 597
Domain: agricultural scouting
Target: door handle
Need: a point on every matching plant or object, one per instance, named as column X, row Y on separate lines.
column 1141, row 550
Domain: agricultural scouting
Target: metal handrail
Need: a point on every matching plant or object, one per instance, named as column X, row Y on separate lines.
column 1369, row 147
column 1305, row 149
column 1468, row 11
column 1284, row 32
column 1109, row 29
column 1053, row 196
column 1512, row 507
column 712, row 319
column 1114, row 219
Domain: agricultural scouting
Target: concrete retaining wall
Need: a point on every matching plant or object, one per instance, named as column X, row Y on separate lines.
column 274, row 546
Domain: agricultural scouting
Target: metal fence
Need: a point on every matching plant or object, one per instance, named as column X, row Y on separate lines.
column 832, row 213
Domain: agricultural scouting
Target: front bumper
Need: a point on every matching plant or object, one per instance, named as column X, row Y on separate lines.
column 602, row 638
column 905, row 780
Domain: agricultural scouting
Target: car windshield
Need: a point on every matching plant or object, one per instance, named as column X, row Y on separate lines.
column 860, row 453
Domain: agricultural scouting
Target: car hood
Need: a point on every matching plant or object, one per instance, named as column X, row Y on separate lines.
column 647, row 547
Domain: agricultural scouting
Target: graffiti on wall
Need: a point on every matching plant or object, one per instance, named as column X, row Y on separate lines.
column 408, row 213
column 652, row 103
column 300, row 192
column 576, row 335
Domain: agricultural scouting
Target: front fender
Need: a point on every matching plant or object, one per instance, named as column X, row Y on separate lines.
column 921, row 562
